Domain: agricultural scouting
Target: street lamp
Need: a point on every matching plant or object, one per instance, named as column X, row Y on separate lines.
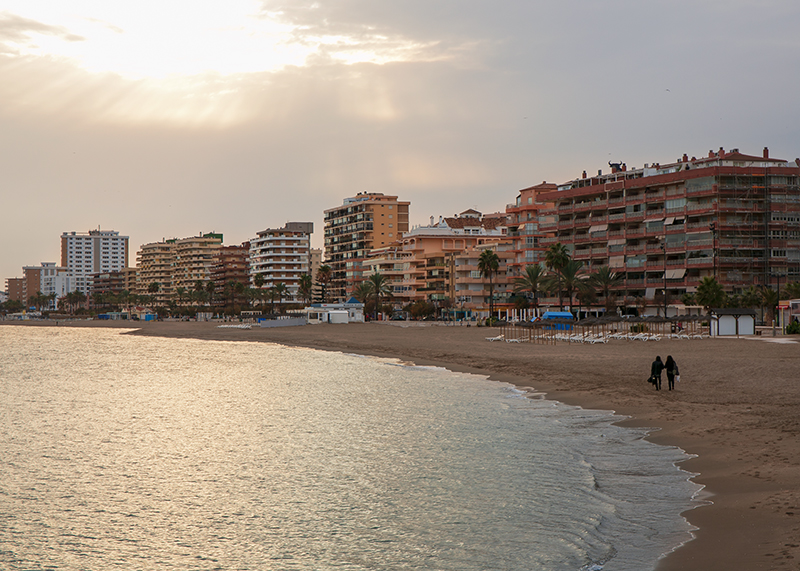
column 664, row 251
column 777, row 277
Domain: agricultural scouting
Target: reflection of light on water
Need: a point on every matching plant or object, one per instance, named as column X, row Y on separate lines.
column 242, row 453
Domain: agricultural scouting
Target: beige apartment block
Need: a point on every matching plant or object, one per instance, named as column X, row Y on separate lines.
column 194, row 259
column 154, row 264
column 363, row 223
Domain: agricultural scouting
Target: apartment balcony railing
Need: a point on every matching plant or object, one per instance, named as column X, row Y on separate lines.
column 700, row 262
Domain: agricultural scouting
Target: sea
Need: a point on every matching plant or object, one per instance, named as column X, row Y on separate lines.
column 129, row 452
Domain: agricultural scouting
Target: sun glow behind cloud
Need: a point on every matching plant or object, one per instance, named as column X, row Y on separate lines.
column 156, row 40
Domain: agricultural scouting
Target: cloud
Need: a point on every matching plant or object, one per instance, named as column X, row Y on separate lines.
column 16, row 30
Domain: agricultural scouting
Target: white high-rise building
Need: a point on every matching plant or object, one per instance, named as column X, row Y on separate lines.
column 93, row 252
column 282, row 255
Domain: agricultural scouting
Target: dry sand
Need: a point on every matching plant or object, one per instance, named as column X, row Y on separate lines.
column 737, row 408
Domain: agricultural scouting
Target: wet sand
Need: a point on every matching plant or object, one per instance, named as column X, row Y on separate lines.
column 737, row 408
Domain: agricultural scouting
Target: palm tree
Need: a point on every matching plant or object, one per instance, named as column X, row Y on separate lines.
column 709, row 293
column 210, row 287
column 153, row 289
column 363, row 291
column 771, row 299
column 572, row 278
column 604, row 279
column 306, row 288
column 488, row 264
column 792, row 290
column 181, row 292
column 555, row 258
column 750, row 297
column 531, row 281
column 280, row 291
column 380, row 287
column 324, row 275
column 259, row 281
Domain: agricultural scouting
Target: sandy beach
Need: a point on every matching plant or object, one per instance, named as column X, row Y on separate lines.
column 737, row 409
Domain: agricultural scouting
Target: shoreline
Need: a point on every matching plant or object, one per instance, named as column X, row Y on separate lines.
column 736, row 412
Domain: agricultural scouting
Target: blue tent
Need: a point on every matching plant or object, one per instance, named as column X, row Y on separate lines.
column 559, row 315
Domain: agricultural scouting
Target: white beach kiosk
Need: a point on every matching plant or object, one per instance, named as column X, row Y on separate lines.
column 732, row 321
column 352, row 311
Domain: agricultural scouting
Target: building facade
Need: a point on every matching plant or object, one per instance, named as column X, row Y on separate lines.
column 194, row 258
column 232, row 265
column 420, row 266
column 363, row 223
column 523, row 227
column 93, row 252
column 154, row 265
column 282, row 255
column 731, row 216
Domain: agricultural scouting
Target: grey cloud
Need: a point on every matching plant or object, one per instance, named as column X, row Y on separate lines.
column 17, row 30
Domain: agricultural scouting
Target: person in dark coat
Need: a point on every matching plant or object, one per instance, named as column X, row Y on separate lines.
column 655, row 372
column 672, row 371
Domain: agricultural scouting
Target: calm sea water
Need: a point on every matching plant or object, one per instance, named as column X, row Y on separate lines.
column 126, row 452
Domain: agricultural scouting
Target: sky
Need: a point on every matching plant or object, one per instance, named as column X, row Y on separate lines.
column 166, row 119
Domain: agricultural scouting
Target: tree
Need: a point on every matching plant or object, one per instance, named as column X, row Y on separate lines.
column 280, row 291
column 555, row 259
column 380, row 286
column 710, row 293
column 604, row 279
column 324, row 275
column 771, row 298
column 305, row 288
column 488, row 265
column 792, row 290
column 363, row 291
column 750, row 297
column 571, row 278
column 210, row 287
column 153, row 290
column 531, row 282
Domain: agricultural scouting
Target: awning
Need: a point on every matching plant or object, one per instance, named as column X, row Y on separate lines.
column 617, row 242
column 676, row 274
column 616, row 262
column 654, row 218
column 669, row 220
column 598, row 228
column 650, row 293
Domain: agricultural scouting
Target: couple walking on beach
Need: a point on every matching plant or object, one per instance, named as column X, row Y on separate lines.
column 672, row 371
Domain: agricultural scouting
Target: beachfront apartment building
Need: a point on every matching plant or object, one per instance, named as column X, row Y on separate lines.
column 92, row 252
column 664, row 228
column 232, row 264
column 472, row 293
column 154, row 264
column 163, row 267
column 363, row 223
column 523, row 227
column 420, row 265
column 50, row 280
column 194, row 258
column 282, row 255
